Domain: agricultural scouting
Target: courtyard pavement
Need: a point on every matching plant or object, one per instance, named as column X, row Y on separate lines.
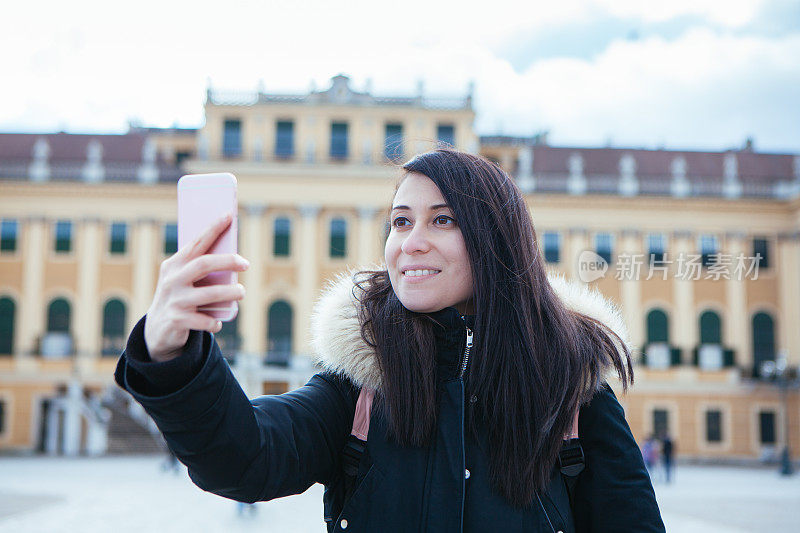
column 135, row 494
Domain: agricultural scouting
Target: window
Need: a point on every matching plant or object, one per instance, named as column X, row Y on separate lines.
column 552, row 247
column 8, row 235
column 119, row 231
column 7, row 312
column 445, row 133
column 279, row 333
column 113, row 327
column 181, row 156
column 655, row 248
column 763, row 341
column 338, row 140
column 232, row 138
column 170, row 238
column 710, row 328
column 604, row 246
column 63, row 236
column 708, row 248
column 766, row 427
column 284, row 139
column 228, row 338
column 58, row 316
column 282, row 237
column 713, row 425
column 660, row 422
column 393, row 142
column 338, row 241
column 657, row 326
column 761, row 247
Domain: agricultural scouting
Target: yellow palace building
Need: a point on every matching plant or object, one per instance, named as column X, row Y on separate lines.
column 701, row 250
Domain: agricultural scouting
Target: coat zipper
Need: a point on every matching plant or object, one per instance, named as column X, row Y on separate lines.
column 466, row 350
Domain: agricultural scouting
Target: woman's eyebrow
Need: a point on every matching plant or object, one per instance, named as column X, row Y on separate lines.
column 437, row 206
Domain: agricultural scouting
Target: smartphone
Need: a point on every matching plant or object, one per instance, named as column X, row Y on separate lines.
column 203, row 199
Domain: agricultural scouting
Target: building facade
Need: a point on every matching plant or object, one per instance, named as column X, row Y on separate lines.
column 701, row 250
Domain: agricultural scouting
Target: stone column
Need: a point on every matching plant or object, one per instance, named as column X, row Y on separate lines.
column 630, row 287
column 31, row 321
column 367, row 235
column 144, row 268
column 735, row 326
column 576, row 242
column 308, row 276
column 788, row 334
column 72, row 419
column 682, row 321
column 88, row 327
column 252, row 323
column 524, row 177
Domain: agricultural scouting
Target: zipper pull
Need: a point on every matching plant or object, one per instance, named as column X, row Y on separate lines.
column 467, row 348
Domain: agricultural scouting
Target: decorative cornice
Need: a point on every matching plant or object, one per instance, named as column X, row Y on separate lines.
column 309, row 210
column 367, row 212
column 735, row 234
column 577, row 231
column 792, row 236
column 255, row 210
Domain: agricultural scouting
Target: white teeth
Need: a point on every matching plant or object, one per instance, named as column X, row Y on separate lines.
column 421, row 272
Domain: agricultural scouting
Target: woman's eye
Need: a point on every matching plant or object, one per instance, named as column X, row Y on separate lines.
column 444, row 218
column 399, row 221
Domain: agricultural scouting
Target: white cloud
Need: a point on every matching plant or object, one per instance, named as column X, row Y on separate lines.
column 732, row 13
column 86, row 67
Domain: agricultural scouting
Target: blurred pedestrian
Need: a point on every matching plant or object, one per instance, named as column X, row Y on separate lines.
column 242, row 507
column 650, row 454
column 667, row 451
column 170, row 462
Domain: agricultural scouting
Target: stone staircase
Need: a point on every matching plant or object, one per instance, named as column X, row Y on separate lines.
column 126, row 434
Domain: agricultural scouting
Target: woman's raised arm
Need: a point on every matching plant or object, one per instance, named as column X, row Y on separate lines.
column 245, row 450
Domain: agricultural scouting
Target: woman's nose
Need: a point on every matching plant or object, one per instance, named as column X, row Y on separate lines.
column 416, row 241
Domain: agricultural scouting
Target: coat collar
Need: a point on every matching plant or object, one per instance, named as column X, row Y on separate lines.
column 336, row 329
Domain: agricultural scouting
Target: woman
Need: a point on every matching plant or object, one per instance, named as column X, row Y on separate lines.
column 480, row 364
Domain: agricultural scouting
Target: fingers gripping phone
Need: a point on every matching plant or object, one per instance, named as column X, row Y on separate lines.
column 202, row 199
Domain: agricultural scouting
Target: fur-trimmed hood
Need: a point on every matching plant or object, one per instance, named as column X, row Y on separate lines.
column 339, row 347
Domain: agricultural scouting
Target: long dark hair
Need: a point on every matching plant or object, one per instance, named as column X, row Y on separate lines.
column 534, row 361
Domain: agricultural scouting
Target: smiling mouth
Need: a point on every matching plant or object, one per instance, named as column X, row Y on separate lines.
column 420, row 273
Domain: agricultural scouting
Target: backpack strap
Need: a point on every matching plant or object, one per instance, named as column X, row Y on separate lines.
column 357, row 440
column 363, row 410
column 571, row 461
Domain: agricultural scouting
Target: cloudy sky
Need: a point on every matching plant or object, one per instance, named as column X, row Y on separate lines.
column 692, row 74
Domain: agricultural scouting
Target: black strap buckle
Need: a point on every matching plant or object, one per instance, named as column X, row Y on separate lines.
column 351, row 455
column 571, row 461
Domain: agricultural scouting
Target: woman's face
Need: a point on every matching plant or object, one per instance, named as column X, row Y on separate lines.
column 425, row 253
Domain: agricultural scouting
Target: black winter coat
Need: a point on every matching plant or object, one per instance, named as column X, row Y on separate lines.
column 273, row 446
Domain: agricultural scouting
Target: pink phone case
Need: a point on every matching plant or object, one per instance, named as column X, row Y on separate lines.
column 203, row 199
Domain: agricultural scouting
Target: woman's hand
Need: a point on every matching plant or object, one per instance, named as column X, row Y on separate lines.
column 173, row 312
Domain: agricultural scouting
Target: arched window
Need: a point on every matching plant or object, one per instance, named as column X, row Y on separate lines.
column 710, row 328
column 7, row 311
column 113, row 327
column 338, row 244
column 228, row 338
column 279, row 333
column 58, row 316
column 657, row 326
column 282, row 237
column 763, row 341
